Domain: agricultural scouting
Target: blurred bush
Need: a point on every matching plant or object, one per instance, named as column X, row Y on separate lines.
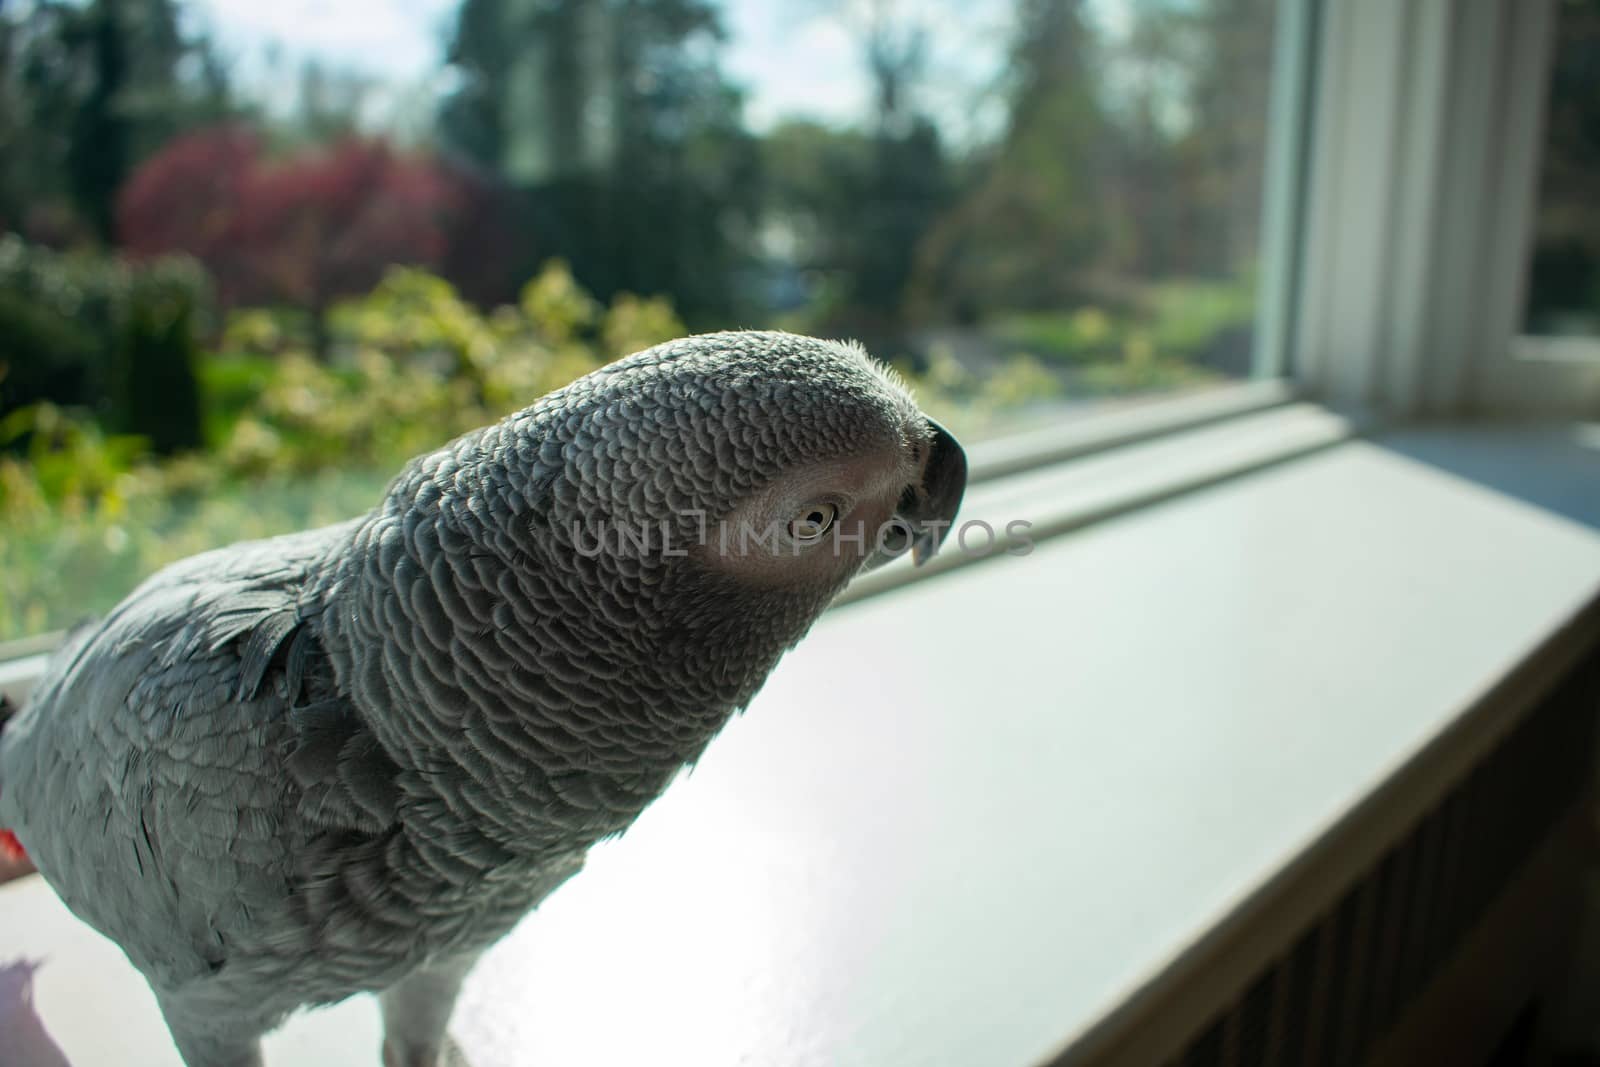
column 413, row 365
column 291, row 441
column 1181, row 321
column 93, row 332
column 90, row 505
column 303, row 230
column 154, row 390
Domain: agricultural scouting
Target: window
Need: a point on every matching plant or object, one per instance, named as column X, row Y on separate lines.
column 295, row 254
column 1564, row 273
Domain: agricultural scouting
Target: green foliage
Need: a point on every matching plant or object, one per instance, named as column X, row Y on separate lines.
column 60, row 563
column 1185, row 317
column 56, row 297
column 1141, row 367
column 65, row 461
column 559, row 304
column 1093, row 238
column 87, row 90
column 417, row 365
column 82, row 330
column 231, row 382
column 293, row 442
column 629, row 160
column 976, row 406
column 153, row 362
column 1083, row 335
column 634, row 324
column 43, row 353
column 1161, row 338
column 1037, row 222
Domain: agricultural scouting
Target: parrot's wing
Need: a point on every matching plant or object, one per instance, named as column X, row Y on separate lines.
column 153, row 772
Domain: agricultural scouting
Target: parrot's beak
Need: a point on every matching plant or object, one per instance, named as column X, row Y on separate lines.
column 930, row 508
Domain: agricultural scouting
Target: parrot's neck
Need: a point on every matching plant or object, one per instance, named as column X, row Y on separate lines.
column 504, row 684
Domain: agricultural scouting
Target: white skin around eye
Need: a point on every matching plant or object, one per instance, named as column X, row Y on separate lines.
column 754, row 542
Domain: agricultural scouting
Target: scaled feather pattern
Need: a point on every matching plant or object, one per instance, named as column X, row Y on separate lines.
column 350, row 759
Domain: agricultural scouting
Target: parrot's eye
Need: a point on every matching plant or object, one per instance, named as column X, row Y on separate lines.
column 813, row 522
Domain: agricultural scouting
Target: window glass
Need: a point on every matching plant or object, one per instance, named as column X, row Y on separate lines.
column 1564, row 274
column 256, row 255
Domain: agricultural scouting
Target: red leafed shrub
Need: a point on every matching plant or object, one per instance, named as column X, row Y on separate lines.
column 303, row 230
column 190, row 197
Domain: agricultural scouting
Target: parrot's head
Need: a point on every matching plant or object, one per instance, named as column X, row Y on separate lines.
column 720, row 490
column 620, row 565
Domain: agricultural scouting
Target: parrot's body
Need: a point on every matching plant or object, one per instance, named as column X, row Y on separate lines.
column 351, row 759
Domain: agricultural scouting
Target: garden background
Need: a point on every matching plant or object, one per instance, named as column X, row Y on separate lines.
column 237, row 292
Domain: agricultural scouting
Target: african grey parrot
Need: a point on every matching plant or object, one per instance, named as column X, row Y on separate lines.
column 351, row 759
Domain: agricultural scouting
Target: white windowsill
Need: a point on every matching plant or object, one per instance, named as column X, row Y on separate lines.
column 1123, row 458
column 1104, row 483
column 964, row 823
column 1556, row 349
column 1132, row 423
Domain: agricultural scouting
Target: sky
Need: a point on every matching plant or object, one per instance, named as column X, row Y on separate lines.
column 793, row 57
column 393, row 39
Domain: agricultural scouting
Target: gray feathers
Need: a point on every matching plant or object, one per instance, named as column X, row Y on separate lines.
column 344, row 777
column 285, row 771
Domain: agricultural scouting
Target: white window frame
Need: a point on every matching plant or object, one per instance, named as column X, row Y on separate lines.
column 1420, row 207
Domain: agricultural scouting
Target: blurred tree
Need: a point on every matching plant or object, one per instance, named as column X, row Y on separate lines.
column 679, row 187
column 853, row 204
column 101, row 145
column 90, row 331
column 1154, row 68
column 39, row 94
column 87, row 90
column 330, row 223
column 615, row 125
column 155, row 391
column 812, row 177
column 328, row 103
column 1224, row 146
column 13, row 130
column 1035, row 228
column 189, row 197
column 904, row 188
column 304, row 231
column 486, row 239
column 483, row 53
column 1181, row 138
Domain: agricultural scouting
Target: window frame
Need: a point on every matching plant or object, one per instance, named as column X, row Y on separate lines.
column 1420, row 212
column 1388, row 124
